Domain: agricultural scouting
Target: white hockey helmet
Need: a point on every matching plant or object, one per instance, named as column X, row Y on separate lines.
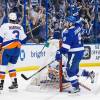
column 12, row 16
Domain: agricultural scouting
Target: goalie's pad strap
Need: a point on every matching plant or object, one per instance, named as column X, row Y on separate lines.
column 66, row 85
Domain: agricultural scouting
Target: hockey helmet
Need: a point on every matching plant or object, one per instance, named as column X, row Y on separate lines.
column 71, row 19
column 12, row 16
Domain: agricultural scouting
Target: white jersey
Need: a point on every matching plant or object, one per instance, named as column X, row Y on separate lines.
column 11, row 35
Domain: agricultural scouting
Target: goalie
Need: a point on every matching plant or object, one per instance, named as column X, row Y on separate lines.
column 53, row 72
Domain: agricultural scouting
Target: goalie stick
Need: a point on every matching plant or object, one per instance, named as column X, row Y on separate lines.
column 84, row 86
column 27, row 78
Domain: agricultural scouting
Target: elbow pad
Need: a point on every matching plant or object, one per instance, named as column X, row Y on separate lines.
column 63, row 50
column 23, row 41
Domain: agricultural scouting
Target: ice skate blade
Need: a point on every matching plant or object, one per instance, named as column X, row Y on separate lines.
column 72, row 94
column 71, row 90
column 13, row 90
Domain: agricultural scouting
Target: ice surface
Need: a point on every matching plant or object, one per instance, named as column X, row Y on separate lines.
column 23, row 94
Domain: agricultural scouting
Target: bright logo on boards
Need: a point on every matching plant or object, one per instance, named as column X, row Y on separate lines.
column 38, row 54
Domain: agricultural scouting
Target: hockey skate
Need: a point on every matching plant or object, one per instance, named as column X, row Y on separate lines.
column 14, row 86
column 66, row 85
column 70, row 89
column 92, row 76
column 74, row 90
column 1, row 88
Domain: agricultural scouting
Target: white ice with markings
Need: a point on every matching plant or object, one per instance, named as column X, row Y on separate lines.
column 23, row 94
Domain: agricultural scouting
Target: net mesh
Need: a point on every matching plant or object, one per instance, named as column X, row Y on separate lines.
column 47, row 79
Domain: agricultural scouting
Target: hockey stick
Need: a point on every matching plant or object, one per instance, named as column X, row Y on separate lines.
column 45, row 45
column 84, row 86
column 34, row 28
column 27, row 78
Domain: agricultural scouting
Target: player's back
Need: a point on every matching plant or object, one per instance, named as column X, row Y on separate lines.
column 10, row 33
column 72, row 37
column 76, row 38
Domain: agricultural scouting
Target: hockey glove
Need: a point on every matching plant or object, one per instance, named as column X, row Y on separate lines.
column 58, row 56
column 47, row 44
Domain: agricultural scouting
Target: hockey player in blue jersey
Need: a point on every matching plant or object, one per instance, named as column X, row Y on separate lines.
column 72, row 46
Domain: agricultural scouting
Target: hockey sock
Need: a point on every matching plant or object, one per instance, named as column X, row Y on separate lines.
column 2, row 75
column 12, row 74
column 2, row 72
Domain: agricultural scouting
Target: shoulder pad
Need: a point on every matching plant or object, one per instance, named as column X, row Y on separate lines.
column 65, row 30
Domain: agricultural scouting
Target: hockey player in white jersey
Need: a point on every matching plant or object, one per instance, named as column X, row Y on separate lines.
column 12, row 36
column 72, row 46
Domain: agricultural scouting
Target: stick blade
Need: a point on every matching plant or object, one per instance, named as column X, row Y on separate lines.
column 23, row 76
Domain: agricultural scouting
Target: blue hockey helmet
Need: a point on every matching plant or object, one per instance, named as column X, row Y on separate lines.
column 71, row 19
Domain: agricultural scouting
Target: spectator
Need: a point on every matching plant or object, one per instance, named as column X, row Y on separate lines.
column 57, row 31
column 57, row 10
column 3, row 18
column 37, row 18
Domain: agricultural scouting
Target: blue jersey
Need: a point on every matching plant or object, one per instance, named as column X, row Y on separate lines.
column 71, row 39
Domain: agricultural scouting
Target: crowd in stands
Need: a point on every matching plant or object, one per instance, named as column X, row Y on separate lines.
column 57, row 10
column 88, row 13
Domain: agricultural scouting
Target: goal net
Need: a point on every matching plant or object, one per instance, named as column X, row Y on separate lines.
column 50, row 78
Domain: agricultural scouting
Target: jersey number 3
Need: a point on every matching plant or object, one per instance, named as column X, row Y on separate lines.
column 16, row 34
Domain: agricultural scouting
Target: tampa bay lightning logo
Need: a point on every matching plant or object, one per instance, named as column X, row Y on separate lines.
column 22, row 55
column 87, row 52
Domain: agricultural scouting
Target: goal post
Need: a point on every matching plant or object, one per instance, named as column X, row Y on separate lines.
column 60, row 69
